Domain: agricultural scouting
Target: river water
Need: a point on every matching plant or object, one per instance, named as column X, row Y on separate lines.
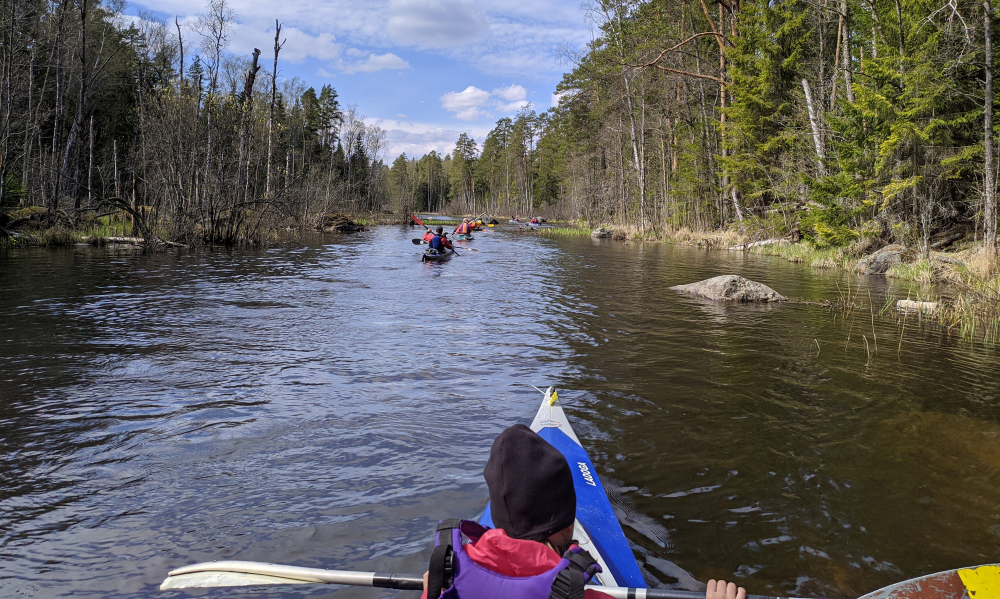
column 325, row 405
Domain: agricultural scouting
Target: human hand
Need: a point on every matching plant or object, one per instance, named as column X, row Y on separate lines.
column 721, row 590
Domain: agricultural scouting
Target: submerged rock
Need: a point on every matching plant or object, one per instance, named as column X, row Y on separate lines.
column 731, row 288
column 881, row 261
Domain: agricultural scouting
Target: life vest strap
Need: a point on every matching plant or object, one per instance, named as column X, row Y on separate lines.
column 441, row 570
column 570, row 581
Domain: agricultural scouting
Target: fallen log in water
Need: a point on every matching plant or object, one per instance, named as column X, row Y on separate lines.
column 130, row 241
column 915, row 306
column 746, row 246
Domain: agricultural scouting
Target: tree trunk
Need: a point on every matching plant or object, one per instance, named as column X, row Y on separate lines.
column 270, row 116
column 848, row 79
column 180, row 45
column 990, row 200
column 242, row 174
column 817, row 134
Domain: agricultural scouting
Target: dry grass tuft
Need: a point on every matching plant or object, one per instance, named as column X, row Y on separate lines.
column 824, row 263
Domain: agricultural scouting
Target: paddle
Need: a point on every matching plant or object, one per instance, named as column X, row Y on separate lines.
column 419, row 241
column 239, row 573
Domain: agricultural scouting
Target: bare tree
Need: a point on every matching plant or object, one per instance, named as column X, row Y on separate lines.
column 215, row 25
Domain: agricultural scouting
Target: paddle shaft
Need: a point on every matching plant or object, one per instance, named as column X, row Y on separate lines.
column 632, row 593
column 404, row 582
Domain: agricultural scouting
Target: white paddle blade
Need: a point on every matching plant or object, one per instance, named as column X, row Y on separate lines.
column 223, row 579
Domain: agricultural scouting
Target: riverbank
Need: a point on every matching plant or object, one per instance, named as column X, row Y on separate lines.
column 35, row 226
column 961, row 287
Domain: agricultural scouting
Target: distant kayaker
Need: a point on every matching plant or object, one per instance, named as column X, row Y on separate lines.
column 463, row 228
column 533, row 506
column 534, row 220
column 440, row 241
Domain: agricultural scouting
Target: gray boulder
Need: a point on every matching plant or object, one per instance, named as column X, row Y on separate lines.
column 601, row 233
column 731, row 288
column 881, row 261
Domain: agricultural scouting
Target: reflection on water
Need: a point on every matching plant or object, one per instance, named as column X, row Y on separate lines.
column 325, row 405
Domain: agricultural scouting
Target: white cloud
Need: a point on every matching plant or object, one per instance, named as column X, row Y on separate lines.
column 499, row 37
column 400, row 115
column 470, row 97
column 299, row 45
column 470, row 114
column 511, row 93
column 376, row 62
column 512, row 106
column 470, row 104
column 417, row 139
column 434, row 23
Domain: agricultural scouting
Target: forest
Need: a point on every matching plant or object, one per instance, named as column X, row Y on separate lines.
column 837, row 121
column 107, row 117
column 840, row 121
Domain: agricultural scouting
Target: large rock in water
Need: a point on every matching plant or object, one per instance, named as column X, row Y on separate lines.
column 881, row 261
column 731, row 288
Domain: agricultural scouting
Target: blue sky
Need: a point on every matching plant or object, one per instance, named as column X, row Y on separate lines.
column 423, row 70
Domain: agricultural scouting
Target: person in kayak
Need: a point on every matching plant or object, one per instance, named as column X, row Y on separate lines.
column 440, row 241
column 463, row 228
column 533, row 505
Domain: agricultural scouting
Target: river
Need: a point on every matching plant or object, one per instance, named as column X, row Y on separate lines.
column 325, row 405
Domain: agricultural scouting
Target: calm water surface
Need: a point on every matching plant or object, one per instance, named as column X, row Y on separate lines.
column 324, row 406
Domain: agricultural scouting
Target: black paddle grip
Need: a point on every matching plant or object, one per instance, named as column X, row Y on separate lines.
column 403, row 582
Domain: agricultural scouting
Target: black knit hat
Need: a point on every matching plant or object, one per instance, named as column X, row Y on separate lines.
column 531, row 485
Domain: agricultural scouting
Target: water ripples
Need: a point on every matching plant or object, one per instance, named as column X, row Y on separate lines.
column 325, row 405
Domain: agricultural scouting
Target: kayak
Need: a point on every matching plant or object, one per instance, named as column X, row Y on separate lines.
column 597, row 528
column 436, row 256
column 960, row 583
column 463, row 237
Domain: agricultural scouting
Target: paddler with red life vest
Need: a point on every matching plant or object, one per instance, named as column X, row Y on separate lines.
column 531, row 553
column 463, row 228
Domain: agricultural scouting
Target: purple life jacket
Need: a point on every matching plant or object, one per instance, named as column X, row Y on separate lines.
column 452, row 571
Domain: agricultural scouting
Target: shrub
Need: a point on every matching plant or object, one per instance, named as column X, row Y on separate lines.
column 828, row 227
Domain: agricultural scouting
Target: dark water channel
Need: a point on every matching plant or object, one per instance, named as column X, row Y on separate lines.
column 324, row 406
